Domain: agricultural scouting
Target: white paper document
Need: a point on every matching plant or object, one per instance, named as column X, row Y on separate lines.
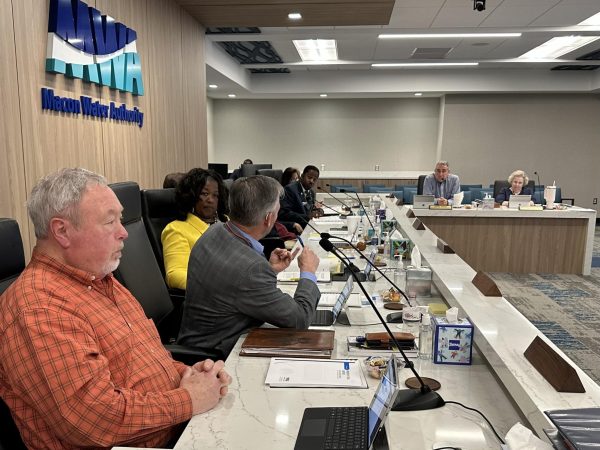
column 295, row 372
column 355, row 300
column 294, row 277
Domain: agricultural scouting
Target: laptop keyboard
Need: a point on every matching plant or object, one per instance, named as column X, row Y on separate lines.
column 347, row 428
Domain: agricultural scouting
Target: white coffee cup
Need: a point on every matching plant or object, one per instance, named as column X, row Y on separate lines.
column 458, row 198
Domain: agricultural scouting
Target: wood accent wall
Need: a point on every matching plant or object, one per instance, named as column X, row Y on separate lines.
column 34, row 143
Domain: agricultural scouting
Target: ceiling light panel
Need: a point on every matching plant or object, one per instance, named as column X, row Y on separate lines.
column 317, row 50
column 558, row 46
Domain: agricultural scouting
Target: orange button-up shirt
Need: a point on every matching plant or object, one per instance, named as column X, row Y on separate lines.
column 82, row 366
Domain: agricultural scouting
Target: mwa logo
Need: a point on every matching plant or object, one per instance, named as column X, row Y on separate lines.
column 83, row 43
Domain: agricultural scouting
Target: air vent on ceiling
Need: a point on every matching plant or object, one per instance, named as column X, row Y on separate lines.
column 239, row 30
column 574, row 67
column 430, row 53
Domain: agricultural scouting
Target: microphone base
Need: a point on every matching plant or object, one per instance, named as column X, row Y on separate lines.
column 415, row 400
column 344, row 276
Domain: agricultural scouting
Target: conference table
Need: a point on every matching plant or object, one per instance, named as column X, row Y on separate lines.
column 510, row 240
column 501, row 382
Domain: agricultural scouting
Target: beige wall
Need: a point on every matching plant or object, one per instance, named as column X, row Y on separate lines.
column 34, row 143
column 485, row 137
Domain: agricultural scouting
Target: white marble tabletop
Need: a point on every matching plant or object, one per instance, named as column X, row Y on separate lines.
column 254, row 415
column 502, row 333
column 573, row 212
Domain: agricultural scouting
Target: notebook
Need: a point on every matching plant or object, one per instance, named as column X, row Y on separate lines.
column 349, row 427
column 516, row 201
column 288, row 342
column 326, row 317
column 423, row 201
column 580, row 427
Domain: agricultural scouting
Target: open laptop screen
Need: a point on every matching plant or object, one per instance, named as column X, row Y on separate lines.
column 343, row 297
column 370, row 261
column 383, row 400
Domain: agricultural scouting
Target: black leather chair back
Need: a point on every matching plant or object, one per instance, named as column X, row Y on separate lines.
column 249, row 170
column 138, row 270
column 273, row 173
column 12, row 263
column 12, row 257
column 420, row 183
column 501, row 184
column 158, row 210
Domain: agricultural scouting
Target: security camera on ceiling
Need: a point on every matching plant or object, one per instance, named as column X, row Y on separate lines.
column 479, row 5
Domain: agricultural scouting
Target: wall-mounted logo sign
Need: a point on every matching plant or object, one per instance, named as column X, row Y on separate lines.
column 83, row 43
column 86, row 106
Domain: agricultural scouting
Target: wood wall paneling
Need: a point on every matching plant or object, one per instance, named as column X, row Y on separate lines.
column 164, row 88
column 12, row 173
column 127, row 147
column 194, row 93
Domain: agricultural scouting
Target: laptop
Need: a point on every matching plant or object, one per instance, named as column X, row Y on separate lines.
column 326, row 317
column 516, row 201
column 423, row 201
column 370, row 261
column 349, row 427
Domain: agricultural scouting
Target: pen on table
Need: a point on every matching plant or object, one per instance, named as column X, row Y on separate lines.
column 301, row 242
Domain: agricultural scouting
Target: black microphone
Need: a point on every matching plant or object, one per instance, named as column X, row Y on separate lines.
column 538, row 178
column 407, row 399
column 329, row 236
column 346, row 207
column 362, row 206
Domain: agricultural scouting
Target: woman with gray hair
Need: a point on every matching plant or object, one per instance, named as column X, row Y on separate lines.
column 518, row 180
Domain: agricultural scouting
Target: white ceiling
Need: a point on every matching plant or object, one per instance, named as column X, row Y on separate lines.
column 359, row 46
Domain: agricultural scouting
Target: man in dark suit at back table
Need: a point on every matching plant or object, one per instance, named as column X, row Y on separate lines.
column 231, row 287
column 299, row 203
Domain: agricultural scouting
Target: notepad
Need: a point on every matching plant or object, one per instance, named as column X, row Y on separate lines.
column 302, row 372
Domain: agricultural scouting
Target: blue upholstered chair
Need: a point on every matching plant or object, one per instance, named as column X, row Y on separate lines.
column 373, row 188
column 468, row 187
column 409, row 193
column 339, row 187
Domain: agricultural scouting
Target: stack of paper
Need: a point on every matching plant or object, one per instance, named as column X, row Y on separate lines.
column 294, row 276
column 332, row 373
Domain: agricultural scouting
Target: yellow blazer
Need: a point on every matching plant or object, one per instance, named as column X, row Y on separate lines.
column 178, row 238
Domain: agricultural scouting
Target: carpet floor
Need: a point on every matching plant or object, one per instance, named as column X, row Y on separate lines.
column 566, row 308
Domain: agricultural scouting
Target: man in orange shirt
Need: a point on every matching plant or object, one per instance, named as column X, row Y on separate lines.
column 80, row 364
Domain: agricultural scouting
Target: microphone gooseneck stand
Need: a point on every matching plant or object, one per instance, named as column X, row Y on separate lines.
column 408, row 399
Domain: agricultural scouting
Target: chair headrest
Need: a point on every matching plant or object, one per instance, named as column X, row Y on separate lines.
column 159, row 203
column 128, row 193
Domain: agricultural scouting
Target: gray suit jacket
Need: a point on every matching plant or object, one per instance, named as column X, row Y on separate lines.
column 451, row 186
column 231, row 288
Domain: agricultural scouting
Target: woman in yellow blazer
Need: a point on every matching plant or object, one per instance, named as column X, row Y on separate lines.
column 201, row 198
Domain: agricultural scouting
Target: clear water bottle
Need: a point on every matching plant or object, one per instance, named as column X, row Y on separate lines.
column 425, row 338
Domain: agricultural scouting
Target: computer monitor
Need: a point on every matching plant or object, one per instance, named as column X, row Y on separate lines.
column 221, row 168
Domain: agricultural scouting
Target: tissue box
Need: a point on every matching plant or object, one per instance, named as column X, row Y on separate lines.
column 388, row 226
column 400, row 248
column 452, row 342
column 418, row 281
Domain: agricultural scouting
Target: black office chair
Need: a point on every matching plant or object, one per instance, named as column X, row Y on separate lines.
column 420, row 183
column 273, row 173
column 139, row 272
column 249, row 170
column 501, row 184
column 12, row 264
column 12, row 261
column 158, row 210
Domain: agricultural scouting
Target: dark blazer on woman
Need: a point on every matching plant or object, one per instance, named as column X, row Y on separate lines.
column 505, row 194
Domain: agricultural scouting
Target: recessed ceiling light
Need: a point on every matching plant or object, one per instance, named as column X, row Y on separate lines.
column 231, row 95
column 444, row 64
column 418, row 94
column 322, row 95
column 558, row 46
column 294, row 16
column 317, row 49
column 213, row 86
column 448, row 35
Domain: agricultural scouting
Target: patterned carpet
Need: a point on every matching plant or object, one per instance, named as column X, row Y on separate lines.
column 566, row 308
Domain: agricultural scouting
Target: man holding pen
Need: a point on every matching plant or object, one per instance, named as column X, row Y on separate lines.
column 231, row 287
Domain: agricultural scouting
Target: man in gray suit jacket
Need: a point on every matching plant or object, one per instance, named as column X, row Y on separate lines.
column 231, row 287
column 442, row 184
